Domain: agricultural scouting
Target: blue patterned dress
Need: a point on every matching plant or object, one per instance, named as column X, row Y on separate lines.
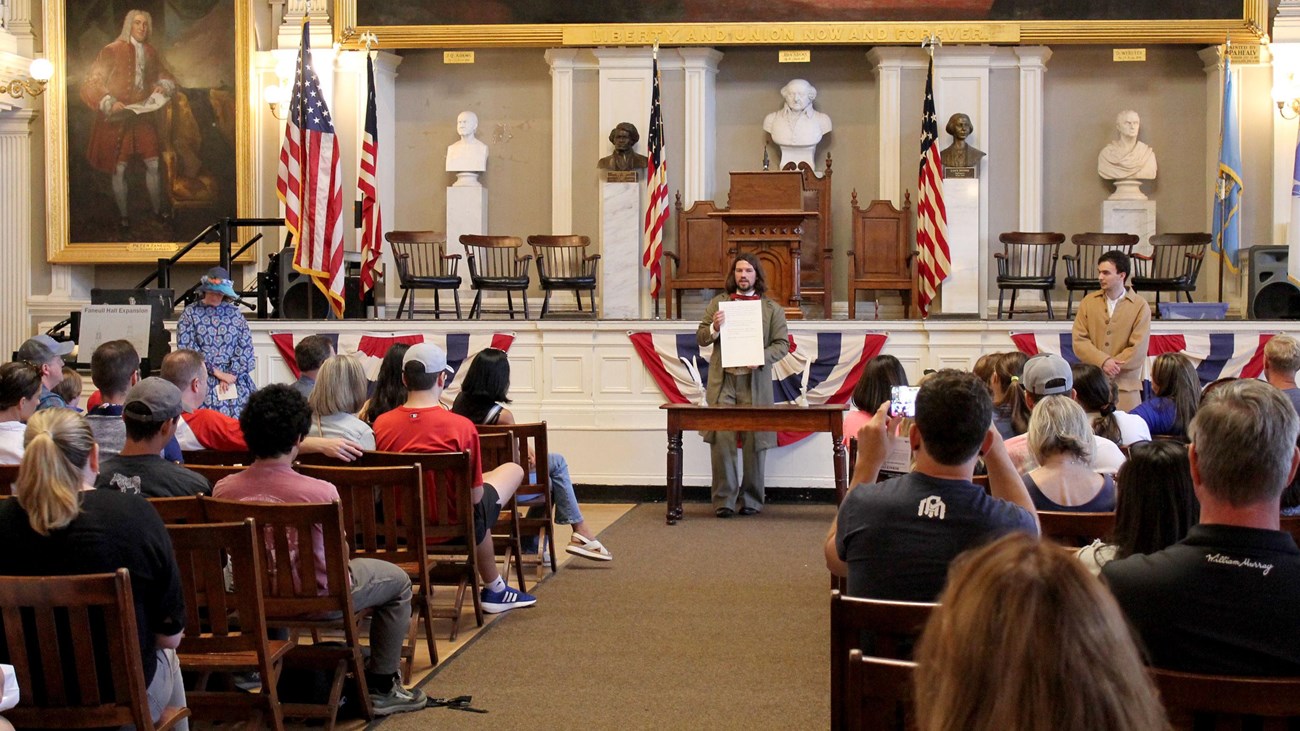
column 221, row 334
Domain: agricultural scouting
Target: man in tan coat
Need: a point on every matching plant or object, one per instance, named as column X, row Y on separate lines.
column 1113, row 329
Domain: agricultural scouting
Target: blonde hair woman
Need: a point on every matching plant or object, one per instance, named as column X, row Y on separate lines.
column 1061, row 440
column 59, row 525
column 338, row 397
column 1025, row 639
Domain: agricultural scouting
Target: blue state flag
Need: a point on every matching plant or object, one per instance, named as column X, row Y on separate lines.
column 1228, row 186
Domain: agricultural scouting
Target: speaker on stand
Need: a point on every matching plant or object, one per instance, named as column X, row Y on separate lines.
column 294, row 291
column 1271, row 294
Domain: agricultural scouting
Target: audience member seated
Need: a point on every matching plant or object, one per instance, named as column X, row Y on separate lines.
column 1226, row 599
column 1008, row 398
column 69, row 389
column 1024, row 638
column 274, row 424
column 309, row 354
column 1061, row 442
column 115, row 368
column 1155, row 508
column 338, row 396
column 46, row 354
column 882, row 373
column 151, row 411
column 481, row 398
column 1096, row 394
column 390, row 390
column 423, row 425
column 59, row 526
column 201, row 428
column 1281, row 361
column 1177, row 391
column 20, row 392
column 1047, row 374
column 894, row 540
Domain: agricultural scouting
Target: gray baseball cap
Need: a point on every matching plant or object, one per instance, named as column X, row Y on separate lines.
column 1047, row 374
column 42, row 349
column 152, row 399
column 433, row 358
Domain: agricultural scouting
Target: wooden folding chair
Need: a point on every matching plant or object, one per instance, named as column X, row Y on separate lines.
column 880, row 694
column 496, row 449
column 535, row 492
column 383, row 511
column 1222, row 702
column 1075, row 529
column 893, row 626
column 186, row 510
column 81, row 668
column 293, row 596
column 225, row 627
column 214, row 473
column 216, row 457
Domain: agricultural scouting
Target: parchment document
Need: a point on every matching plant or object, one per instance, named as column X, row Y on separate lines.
column 742, row 333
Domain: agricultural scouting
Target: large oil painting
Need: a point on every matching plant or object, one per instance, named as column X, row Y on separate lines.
column 145, row 145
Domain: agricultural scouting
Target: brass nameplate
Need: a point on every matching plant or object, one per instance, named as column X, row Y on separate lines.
column 955, row 172
column 794, row 57
column 620, row 176
column 1129, row 54
column 458, row 57
column 161, row 247
column 708, row 34
column 1244, row 52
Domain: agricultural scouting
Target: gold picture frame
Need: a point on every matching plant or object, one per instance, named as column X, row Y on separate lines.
column 1249, row 27
column 70, row 237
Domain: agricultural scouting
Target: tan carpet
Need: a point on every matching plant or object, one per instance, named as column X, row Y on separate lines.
column 709, row 624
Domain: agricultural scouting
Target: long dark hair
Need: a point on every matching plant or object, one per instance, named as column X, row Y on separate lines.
column 390, row 390
column 882, row 373
column 1096, row 393
column 1155, row 504
column 1174, row 377
column 486, row 384
column 760, row 279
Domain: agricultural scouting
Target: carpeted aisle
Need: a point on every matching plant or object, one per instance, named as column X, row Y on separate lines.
column 709, row 624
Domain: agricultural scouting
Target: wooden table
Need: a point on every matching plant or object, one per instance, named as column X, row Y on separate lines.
column 688, row 417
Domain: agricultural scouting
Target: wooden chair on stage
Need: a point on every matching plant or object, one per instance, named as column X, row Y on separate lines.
column 1173, row 265
column 75, row 672
column 216, row 457
column 563, row 263
column 1075, row 529
column 1081, row 266
column 889, row 628
column 535, row 492
column 881, row 257
column 1027, row 261
column 1222, row 702
column 880, row 694
column 495, row 264
column 225, row 628
column 423, row 263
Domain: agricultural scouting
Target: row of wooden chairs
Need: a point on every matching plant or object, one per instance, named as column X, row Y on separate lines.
column 495, row 264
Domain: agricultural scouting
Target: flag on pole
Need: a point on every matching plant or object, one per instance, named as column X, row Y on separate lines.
column 372, row 220
column 310, row 182
column 656, row 213
column 1228, row 186
column 932, row 262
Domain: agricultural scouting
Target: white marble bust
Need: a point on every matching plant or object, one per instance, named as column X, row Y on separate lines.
column 469, row 154
column 797, row 127
column 1127, row 158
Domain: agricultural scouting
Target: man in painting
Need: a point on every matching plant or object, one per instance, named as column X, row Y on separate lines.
column 126, row 83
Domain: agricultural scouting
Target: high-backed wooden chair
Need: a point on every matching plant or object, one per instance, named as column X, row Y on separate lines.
column 8, row 476
column 80, row 667
column 1291, row 524
column 293, row 596
column 179, row 510
column 881, row 257
column 535, row 492
column 563, row 263
column 214, row 473
column 1027, row 261
column 423, row 263
column 1075, row 529
column 1081, row 266
column 225, row 628
column 880, row 694
column 495, row 264
column 496, row 449
column 1173, row 265
column 383, row 512
column 890, row 627
column 1222, row 702
column 216, row 457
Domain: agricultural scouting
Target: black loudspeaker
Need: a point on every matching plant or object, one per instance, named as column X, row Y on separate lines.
column 296, row 291
column 1272, row 295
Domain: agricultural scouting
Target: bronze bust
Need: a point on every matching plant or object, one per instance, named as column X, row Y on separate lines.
column 624, row 158
column 959, row 154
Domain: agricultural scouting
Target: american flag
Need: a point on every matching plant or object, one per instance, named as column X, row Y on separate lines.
column 310, row 182
column 656, row 214
column 932, row 261
column 372, row 220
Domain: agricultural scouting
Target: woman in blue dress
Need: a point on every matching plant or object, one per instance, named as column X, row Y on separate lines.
column 215, row 327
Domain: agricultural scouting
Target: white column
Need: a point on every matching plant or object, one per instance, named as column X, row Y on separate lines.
column 1032, row 62
column 18, row 28
column 563, row 62
column 315, row 11
column 15, row 225
column 888, row 64
column 699, row 140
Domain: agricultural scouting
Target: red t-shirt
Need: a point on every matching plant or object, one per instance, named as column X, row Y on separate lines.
column 430, row 429
column 215, row 430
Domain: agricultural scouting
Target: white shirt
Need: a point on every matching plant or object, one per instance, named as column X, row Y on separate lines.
column 1106, row 457
column 1132, row 428
column 11, row 443
column 1110, row 303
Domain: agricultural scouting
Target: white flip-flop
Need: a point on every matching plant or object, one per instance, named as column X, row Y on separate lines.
column 588, row 548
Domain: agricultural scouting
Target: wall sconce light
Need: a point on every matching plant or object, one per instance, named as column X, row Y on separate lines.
column 1287, row 97
column 275, row 98
column 41, row 70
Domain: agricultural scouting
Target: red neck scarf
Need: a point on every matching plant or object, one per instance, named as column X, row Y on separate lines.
column 745, row 297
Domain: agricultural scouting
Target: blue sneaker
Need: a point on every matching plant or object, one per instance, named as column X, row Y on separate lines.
column 495, row 602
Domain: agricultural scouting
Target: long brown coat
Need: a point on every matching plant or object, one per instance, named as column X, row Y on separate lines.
column 1125, row 336
column 777, row 337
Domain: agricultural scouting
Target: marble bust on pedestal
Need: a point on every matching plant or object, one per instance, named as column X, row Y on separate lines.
column 468, row 156
column 797, row 127
column 1127, row 161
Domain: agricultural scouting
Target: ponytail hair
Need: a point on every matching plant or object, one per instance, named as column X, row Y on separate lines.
column 1019, row 407
column 56, row 450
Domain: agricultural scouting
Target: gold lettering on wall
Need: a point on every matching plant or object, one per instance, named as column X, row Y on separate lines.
column 775, row 33
column 794, row 56
column 458, row 57
column 1129, row 54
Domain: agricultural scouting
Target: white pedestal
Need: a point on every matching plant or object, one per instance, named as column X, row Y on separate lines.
column 466, row 214
column 620, row 251
column 961, row 290
column 1130, row 217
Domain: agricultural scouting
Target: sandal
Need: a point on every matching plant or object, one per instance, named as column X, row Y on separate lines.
column 588, row 548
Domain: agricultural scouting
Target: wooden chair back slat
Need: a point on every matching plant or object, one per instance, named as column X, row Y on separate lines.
column 882, row 694
column 179, row 510
column 382, row 509
column 83, row 654
column 1223, row 702
column 1075, row 529
column 535, row 491
column 214, row 473
column 892, row 628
